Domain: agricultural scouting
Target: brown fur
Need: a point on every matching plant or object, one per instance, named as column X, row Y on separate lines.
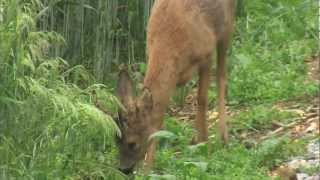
column 181, row 37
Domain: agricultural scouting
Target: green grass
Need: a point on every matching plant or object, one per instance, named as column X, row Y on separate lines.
column 50, row 127
column 176, row 159
column 267, row 62
column 311, row 170
column 260, row 118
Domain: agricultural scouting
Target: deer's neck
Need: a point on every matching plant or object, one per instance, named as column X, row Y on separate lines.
column 161, row 80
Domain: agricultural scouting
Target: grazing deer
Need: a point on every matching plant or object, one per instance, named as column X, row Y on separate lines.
column 181, row 38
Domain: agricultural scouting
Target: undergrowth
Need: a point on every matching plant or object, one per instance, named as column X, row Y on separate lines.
column 177, row 159
column 50, row 127
column 270, row 46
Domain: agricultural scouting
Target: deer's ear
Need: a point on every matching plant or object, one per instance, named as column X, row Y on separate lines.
column 146, row 98
column 124, row 88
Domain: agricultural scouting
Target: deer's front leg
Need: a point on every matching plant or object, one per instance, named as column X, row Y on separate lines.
column 200, row 123
column 149, row 157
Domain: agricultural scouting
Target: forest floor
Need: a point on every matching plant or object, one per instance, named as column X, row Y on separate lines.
column 303, row 125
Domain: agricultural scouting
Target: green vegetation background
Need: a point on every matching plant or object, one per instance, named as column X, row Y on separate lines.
column 58, row 56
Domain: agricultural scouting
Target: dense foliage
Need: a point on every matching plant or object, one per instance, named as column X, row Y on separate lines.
column 57, row 57
column 49, row 125
column 271, row 43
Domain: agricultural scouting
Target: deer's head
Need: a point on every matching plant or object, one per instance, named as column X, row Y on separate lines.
column 134, row 123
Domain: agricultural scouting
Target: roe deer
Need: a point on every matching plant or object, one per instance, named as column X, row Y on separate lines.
column 181, row 38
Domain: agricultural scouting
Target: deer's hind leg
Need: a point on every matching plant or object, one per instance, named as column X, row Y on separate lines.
column 221, row 82
column 200, row 123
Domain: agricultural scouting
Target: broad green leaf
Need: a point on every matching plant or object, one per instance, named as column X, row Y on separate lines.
column 162, row 177
column 162, row 135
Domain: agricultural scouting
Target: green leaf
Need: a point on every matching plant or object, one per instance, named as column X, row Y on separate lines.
column 203, row 166
column 162, row 134
column 162, row 177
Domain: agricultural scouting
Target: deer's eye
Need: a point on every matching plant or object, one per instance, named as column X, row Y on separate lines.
column 132, row 145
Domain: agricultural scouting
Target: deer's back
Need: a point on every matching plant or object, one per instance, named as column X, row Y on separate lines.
column 177, row 25
column 182, row 35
